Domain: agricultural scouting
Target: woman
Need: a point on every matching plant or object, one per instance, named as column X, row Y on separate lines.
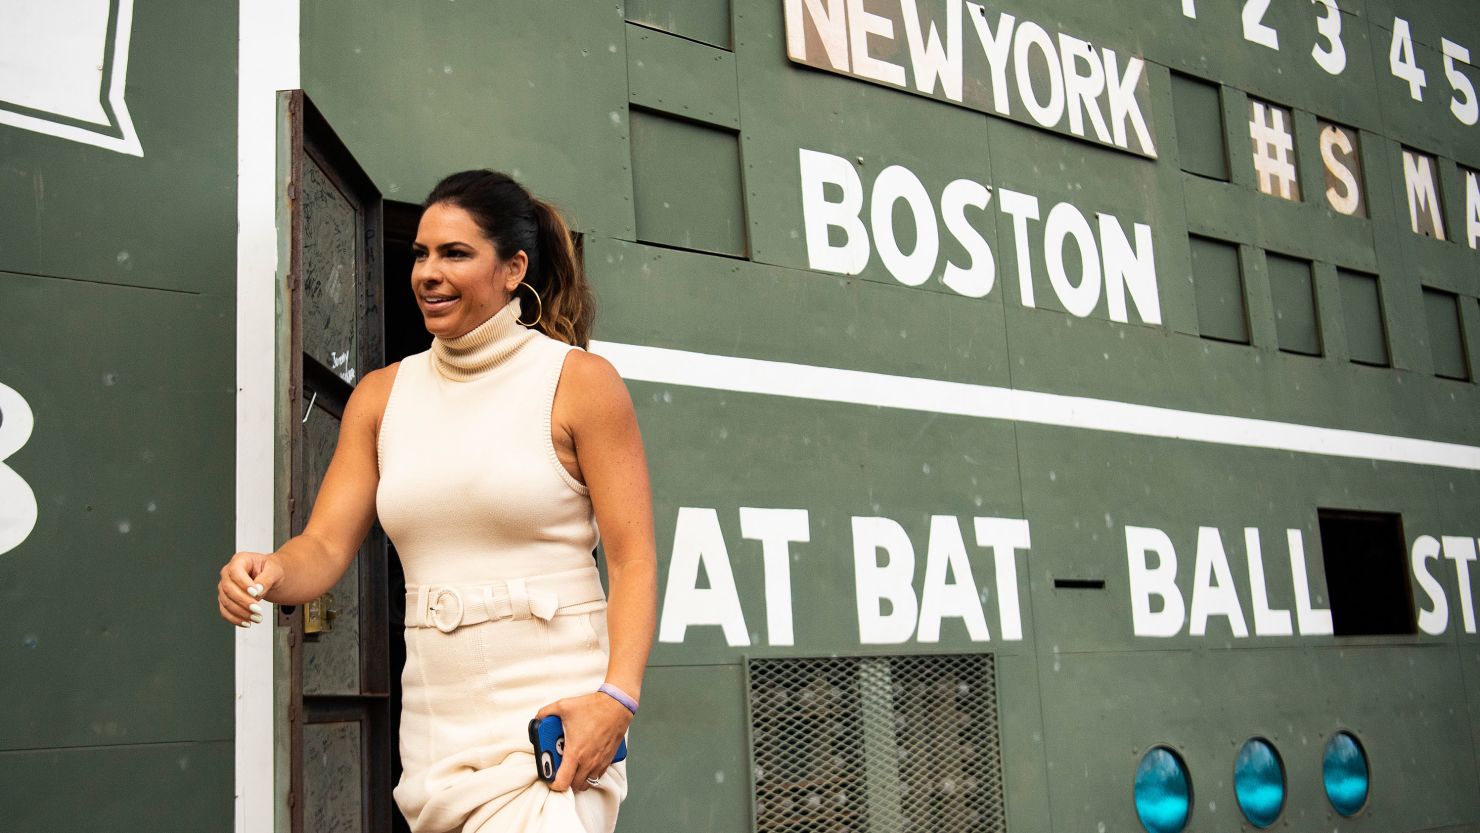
column 491, row 459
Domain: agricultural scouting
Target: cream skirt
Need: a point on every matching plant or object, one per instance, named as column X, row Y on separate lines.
column 469, row 692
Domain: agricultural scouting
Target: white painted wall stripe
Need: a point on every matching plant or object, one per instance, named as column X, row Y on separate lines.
column 267, row 61
column 858, row 387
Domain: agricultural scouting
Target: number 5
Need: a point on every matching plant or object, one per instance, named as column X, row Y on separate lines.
column 1468, row 111
column 1332, row 60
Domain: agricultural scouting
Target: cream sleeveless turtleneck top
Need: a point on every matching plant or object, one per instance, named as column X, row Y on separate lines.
column 470, row 487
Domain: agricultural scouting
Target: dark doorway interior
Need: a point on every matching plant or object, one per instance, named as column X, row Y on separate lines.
column 404, row 335
column 404, row 332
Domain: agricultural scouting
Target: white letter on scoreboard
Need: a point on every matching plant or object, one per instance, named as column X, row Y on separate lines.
column 976, row 281
column 1267, row 621
column 895, row 183
column 1423, row 194
column 697, row 538
column 776, row 529
column 819, row 215
column 1029, row 35
column 940, row 597
column 1434, row 620
column 1083, row 91
column 996, row 46
column 1312, row 621
column 891, row 581
column 1131, row 269
column 929, row 59
column 1213, row 593
column 1461, row 550
column 1005, row 536
column 1147, row 581
column 1472, row 208
column 1065, row 221
column 832, row 29
column 861, row 24
column 1021, row 208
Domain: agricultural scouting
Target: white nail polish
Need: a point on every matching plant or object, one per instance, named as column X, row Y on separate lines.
column 255, row 590
column 244, row 624
column 254, row 607
column 256, row 617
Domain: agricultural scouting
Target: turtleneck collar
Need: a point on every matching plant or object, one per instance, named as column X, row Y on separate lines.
column 482, row 348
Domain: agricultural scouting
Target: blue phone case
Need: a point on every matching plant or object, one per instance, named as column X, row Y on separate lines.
column 547, row 736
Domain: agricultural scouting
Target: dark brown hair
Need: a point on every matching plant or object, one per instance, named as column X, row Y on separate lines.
column 513, row 220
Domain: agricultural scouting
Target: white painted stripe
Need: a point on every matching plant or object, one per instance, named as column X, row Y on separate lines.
column 267, row 62
column 858, row 387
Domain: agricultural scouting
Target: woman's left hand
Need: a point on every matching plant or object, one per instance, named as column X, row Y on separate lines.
column 594, row 725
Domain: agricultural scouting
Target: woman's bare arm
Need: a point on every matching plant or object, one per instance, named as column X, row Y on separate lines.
column 598, row 413
column 308, row 564
column 609, row 448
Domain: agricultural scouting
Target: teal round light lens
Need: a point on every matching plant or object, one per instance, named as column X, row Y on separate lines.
column 1259, row 782
column 1344, row 770
column 1163, row 791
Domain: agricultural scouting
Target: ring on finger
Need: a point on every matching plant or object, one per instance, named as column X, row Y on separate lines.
column 593, row 782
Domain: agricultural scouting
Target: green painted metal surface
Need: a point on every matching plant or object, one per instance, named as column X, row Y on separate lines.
column 1082, row 693
column 668, row 157
column 706, row 172
column 705, row 21
column 419, row 92
column 116, row 327
column 688, row 79
column 163, row 786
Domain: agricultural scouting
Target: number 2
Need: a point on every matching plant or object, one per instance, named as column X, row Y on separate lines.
column 1255, row 30
column 1332, row 60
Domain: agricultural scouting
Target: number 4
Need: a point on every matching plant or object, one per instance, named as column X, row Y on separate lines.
column 1403, row 63
column 1468, row 111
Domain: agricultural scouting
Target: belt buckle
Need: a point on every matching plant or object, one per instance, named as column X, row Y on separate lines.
column 437, row 608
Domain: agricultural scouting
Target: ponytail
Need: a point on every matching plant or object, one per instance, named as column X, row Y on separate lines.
column 568, row 303
column 515, row 221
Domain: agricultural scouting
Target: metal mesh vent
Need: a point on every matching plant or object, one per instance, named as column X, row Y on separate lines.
column 905, row 744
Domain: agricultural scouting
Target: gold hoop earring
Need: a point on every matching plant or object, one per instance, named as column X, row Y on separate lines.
column 540, row 305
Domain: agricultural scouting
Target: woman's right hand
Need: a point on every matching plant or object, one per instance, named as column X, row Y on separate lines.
column 246, row 579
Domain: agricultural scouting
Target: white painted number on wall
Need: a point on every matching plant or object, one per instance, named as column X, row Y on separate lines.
column 1402, row 61
column 1463, row 104
column 17, row 501
column 1255, row 29
column 1332, row 56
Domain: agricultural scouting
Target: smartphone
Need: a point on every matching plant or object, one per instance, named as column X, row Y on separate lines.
column 547, row 736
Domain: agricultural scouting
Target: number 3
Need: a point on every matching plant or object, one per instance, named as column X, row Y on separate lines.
column 1332, row 60
column 17, row 501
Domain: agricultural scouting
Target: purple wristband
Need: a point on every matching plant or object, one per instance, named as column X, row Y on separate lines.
column 619, row 695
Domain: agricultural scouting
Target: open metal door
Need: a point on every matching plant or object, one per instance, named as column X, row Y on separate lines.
column 340, row 739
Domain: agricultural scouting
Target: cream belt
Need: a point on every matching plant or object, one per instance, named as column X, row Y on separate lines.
column 447, row 607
